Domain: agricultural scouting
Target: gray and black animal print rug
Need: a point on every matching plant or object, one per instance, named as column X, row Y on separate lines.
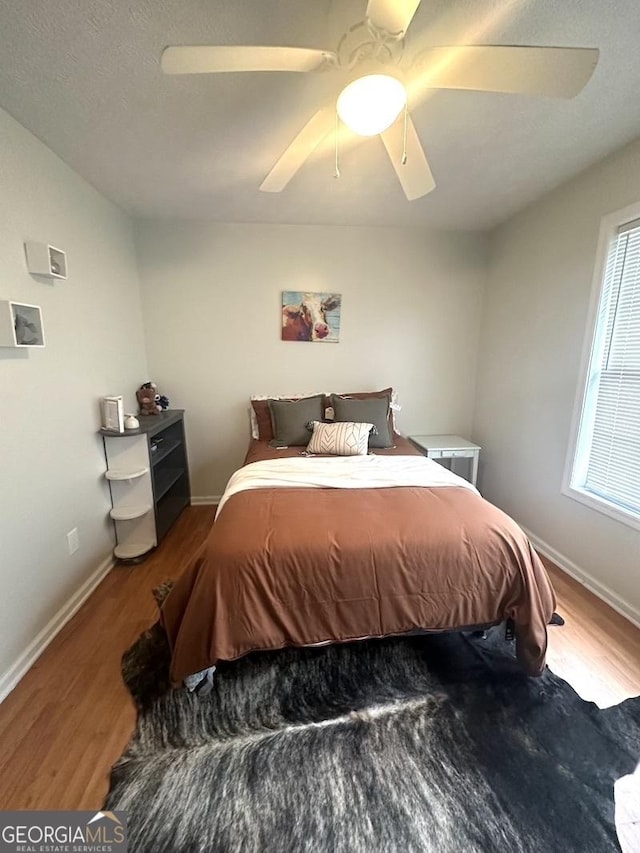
column 436, row 743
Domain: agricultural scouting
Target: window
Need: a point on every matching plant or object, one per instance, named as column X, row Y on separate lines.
column 606, row 463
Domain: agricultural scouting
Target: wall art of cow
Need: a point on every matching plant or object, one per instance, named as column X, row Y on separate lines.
column 311, row 316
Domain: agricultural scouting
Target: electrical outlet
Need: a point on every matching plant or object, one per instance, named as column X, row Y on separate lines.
column 73, row 540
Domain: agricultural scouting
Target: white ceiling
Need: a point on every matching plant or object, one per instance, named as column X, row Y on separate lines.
column 85, row 78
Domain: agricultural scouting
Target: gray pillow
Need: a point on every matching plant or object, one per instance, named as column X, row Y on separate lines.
column 289, row 418
column 372, row 410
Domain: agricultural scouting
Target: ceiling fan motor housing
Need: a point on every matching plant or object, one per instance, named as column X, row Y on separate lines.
column 363, row 43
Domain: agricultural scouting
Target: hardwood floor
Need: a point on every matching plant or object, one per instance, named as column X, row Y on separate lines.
column 597, row 651
column 70, row 717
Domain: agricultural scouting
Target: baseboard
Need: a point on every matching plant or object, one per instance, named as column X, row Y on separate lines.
column 205, row 500
column 23, row 664
column 603, row 592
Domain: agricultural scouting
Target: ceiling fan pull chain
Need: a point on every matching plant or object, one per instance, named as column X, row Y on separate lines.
column 336, row 174
column 404, row 135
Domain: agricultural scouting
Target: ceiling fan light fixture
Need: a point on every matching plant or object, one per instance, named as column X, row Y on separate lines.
column 370, row 104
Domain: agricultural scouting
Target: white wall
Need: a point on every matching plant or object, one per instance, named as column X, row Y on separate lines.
column 51, row 459
column 535, row 316
column 212, row 308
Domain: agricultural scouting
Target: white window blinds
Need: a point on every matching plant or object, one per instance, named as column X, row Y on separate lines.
column 608, row 459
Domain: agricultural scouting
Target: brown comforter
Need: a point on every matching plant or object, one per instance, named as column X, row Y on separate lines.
column 296, row 567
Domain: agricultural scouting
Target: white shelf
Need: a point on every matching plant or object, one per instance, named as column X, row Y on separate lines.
column 120, row 474
column 43, row 259
column 138, row 480
column 128, row 551
column 126, row 513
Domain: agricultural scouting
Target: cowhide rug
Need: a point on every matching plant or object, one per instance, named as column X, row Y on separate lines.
column 436, row 743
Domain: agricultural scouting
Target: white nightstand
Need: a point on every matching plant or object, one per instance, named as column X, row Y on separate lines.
column 449, row 447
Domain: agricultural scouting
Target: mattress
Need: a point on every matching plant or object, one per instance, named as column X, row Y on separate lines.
column 307, row 551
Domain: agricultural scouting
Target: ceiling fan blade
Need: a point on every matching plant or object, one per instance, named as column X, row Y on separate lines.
column 394, row 16
column 559, row 72
column 415, row 174
column 300, row 149
column 209, row 59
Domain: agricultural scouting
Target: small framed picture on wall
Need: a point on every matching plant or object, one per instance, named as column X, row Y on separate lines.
column 313, row 317
column 27, row 324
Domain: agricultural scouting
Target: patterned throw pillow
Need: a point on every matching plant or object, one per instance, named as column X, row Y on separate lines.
column 340, row 439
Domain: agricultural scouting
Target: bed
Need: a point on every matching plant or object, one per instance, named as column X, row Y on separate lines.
column 306, row 551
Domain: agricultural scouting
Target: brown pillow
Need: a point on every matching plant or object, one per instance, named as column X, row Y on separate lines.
column 362, row 395
column 263, row 419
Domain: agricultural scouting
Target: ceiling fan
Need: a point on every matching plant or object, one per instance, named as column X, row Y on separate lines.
column 372, row 96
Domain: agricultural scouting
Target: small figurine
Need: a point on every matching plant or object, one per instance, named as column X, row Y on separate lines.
column 147, row 399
